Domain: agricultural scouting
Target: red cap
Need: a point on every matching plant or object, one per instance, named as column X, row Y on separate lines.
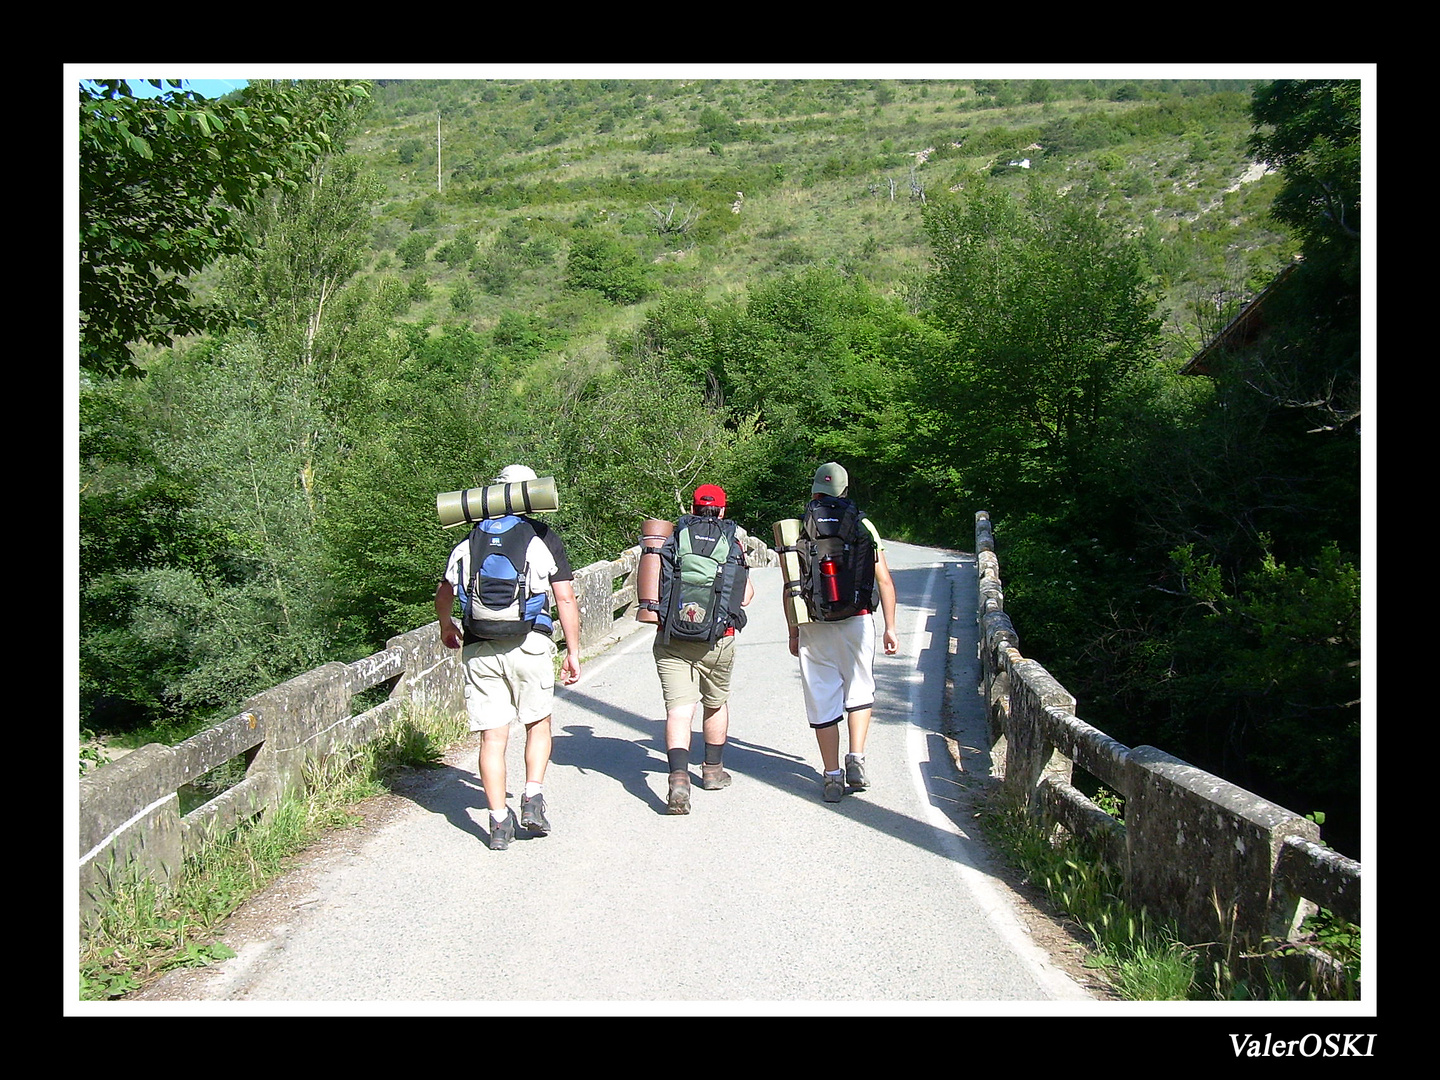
column 709, row 495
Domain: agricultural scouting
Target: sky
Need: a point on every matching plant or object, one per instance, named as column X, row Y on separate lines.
column 210, row 88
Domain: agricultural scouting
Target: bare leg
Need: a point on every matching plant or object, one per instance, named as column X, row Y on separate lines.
column 857, row 724
column 829, row 741
column 537, row 750
column 493, row 742
column 678, row 722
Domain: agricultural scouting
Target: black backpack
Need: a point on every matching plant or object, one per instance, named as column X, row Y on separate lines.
column 837, row 560
column 498, row 602
column 702, row 580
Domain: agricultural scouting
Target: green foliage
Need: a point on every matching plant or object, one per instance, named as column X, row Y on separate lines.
column 1281, row 651
column 164, row 184
column 1310, row 129
column 415, row 250
column 1142, row 959
column 1050, row 319
column 601, row 262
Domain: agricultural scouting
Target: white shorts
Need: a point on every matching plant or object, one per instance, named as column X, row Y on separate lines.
column 837, row 667
column 509, row 680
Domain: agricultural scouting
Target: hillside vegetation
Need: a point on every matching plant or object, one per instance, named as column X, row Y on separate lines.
column 716, row 185
column 977, row 295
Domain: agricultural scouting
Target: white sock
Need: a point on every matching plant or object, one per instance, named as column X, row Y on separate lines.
column 499, row 817
column 854, row 757
column 532, row 789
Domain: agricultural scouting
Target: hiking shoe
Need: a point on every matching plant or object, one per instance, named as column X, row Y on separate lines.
column 679, row 800
column 713, row 777
column 502, row 834
column 532, row 814
column 855, row 773
column 834, row 787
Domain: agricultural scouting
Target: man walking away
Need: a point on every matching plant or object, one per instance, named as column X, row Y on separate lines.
column 844, row 568
column 704, row 586
column 504, row 575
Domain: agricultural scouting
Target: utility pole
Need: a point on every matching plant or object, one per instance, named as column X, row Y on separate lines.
column 437, row 150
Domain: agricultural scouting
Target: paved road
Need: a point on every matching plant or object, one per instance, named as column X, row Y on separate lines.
column 763, row 893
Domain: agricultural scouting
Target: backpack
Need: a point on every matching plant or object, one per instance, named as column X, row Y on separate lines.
column 497, row 602
column 702, row 580
column 837, row 560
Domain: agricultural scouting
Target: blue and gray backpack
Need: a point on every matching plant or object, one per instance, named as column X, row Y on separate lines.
column 496, row 601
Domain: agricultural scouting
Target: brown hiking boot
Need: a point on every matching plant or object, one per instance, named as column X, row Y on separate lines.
column 679, row 801
column 713, row 777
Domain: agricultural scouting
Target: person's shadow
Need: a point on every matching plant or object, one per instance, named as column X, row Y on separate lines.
column 624, row 760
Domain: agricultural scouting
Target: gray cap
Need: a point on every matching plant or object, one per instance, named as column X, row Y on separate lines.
column 831, row 478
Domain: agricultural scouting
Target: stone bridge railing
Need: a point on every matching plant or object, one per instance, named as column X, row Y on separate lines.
column 130, row 814
column 1192, row 847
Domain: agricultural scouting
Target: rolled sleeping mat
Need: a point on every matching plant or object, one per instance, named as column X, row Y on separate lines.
column 787, row 534
column 496, row 500
column 653, row 534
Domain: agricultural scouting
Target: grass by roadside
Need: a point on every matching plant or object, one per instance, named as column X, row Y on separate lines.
column 144, row 930
column 1146, row 960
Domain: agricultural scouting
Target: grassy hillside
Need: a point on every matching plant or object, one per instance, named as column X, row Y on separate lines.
column 715, row 184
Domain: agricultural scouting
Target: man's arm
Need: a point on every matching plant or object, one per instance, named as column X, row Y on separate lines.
column 887, row 602
column 445, row 612
column 569, row 611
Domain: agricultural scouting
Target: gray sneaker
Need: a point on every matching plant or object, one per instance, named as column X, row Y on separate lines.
column 834, row 787
column 502, row 834
column 855, row 773
column 532, row 814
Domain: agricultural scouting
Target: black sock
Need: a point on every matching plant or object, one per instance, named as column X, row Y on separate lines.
column 713, row 753
column 679, row 758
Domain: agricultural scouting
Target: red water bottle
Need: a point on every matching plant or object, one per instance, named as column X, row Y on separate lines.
column 832, row 586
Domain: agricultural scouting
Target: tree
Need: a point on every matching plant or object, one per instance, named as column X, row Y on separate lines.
column 1310, row 131
column 164, row 183
column 201, row 572
column 1050, row 317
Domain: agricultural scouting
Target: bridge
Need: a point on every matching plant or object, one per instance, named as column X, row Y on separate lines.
column 763, row 892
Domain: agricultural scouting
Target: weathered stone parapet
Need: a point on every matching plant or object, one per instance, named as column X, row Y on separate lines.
column 1088, row 747
column 1221, row 862
column 1030, row 753
column 1306, row 868
column 1077, row 813
column 1202, row 849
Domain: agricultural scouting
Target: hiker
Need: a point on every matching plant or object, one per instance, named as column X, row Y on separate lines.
column 843, row 568
column 704, row 587
column 507, row 649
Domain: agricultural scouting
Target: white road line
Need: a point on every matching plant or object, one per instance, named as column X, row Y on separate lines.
column 997, row 908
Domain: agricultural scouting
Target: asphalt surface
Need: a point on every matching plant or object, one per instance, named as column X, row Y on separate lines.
column 764, row 893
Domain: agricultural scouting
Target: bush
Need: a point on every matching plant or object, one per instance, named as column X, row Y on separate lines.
column 606, row 265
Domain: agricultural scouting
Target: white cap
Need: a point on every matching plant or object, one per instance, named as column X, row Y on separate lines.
column 514, row 474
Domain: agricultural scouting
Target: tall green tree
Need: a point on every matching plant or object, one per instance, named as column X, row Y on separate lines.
column 226, row 602
column 1309, row 129
column 1050, row 317
column 164, row 183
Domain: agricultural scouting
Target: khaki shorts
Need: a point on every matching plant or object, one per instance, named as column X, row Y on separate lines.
column 692, row 671
column 509, row 679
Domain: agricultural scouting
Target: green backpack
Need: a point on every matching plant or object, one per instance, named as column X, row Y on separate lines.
column 702, row 580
